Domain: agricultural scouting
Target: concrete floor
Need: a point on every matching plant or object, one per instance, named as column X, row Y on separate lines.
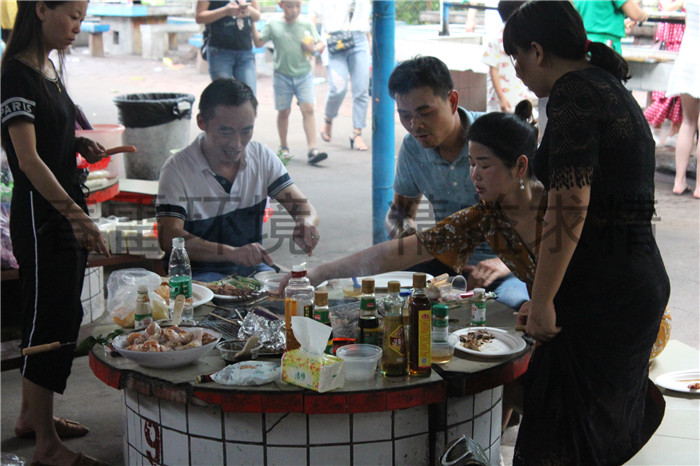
column 340, row 189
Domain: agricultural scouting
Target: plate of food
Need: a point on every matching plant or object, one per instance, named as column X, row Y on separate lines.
column 486, row 342
column 166, row 347
column 235, row 289
column 681, row 381
column 201, row 295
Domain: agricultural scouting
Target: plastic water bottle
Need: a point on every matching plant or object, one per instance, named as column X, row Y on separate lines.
column 180, row 282
column 298, row 301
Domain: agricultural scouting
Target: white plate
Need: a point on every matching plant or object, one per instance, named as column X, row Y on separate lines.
column 201, row 295
column 382, row 280
column 503, row 343
column 678, row 381
column 167, row 359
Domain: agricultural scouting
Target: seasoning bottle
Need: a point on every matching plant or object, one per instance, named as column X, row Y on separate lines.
column 440, row 351
column 142, row 315
column 370, row 331
column 180, row 281
column 478, row 308
column 322, row 314
column 419, row 317
column 298, row 301
column 394, row 341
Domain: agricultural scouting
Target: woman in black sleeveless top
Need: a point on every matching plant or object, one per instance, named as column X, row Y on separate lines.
column 228, row 35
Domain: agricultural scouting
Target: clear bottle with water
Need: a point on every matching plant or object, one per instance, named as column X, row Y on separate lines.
column 180, row 282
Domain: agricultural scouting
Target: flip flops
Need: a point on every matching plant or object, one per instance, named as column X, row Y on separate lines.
column 65, row 428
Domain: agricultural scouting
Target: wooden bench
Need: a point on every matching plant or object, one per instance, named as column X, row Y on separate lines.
column 95, row 29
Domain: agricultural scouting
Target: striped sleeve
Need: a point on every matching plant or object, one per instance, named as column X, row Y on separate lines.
column 276, row 177
column 172, row 193
column 18, row 93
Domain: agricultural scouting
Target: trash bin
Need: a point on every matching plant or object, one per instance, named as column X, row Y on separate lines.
column 157, row 124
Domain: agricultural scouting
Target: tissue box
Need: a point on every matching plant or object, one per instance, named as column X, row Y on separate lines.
column 319, row 373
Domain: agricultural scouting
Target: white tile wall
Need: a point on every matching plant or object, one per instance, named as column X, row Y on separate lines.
column 245, row 427
column 459, row 409
column 240, row 454
column 173, row 415
column 134, row 458
column 148, row 408
column 494, row 452
column 372, row 454
column 410, row 421
column 330, row 456
column 134, row 430
column 412, row 451
column 371, row 426
column 286, row 456
column 329, row 428
column 496, row 421
column 131, row 399
column 205, row 421
column 175, row 448
column 482, row 401
column 459, row 430
column 291, row 430
column 125, row 432
column 482, row 430
column 205, row 452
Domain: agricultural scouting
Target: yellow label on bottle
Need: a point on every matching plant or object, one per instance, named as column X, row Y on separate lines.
column 424, row 328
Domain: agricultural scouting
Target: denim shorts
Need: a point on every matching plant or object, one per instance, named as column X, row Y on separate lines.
column 286, row 87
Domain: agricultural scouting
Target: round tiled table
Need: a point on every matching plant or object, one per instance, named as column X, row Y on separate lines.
column 170, row 420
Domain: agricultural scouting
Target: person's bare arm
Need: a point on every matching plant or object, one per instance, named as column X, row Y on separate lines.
column 401, row 218
column 634, row 11
column 203, row 15
column 496, row 81
column 257, row 41
column 23, row 137
column 397, row 254
column 199, row 249
column 306, row 219
column 250, row 9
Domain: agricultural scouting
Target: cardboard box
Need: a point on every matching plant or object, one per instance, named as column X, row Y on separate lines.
column 319, row 373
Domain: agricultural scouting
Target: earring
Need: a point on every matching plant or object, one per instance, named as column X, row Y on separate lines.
column 522, row 185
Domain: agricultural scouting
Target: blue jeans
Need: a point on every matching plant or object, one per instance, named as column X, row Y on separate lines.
column 226, row 63
column 235, row 269
column 511, row 291
column 350, row 66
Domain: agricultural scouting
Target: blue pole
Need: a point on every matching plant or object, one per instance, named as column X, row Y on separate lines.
column 383, row 59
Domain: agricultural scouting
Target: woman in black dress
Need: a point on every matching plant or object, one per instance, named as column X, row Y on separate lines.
column 600, row 286
column 50, row 230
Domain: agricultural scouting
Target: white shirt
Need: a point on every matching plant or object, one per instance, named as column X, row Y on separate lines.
column 334, row 15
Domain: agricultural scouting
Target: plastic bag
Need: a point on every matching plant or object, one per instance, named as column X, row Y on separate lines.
column 122, row 286
column 463, row 451
column 248, row 373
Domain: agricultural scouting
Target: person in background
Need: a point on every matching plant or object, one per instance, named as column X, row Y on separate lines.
column 214, row 192
column 684, row 82
column 229, row 48
column 604, row 20
column 669, row 37
column 49, row 226
column 504, row 89
column 296, row 42
column 434, row 162
column 600, row 286
column 348, row 65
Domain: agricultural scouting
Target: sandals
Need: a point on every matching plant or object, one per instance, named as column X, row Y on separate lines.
column 65, row 428
column 81, row 460
column 284, row 155
column 354, row 144
column 326, row 136
column 316, row 156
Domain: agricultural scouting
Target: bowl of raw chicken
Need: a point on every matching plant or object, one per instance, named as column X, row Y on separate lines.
column 166, row 347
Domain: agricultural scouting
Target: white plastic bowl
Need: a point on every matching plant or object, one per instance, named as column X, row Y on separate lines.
column 166, row 359
column 360, row 360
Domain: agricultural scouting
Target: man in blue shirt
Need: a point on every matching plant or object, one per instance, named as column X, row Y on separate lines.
column 433, row 162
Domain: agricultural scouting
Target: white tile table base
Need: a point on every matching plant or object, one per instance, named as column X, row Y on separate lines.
column 160, row 432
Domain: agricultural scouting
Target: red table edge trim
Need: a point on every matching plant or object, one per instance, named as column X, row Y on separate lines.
column 103, row 195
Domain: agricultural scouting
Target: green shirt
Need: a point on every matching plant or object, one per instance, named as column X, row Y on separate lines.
column 602, row 16
column 290, row 59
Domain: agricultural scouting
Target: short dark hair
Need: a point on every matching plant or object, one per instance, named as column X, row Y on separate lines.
column 229, row 91
column 507, row 135
column 421, row 72
column 558, row 28
column 507, row 7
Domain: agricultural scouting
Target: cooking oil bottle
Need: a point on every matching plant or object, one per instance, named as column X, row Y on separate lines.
column 370, row 331
column 394, row 342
